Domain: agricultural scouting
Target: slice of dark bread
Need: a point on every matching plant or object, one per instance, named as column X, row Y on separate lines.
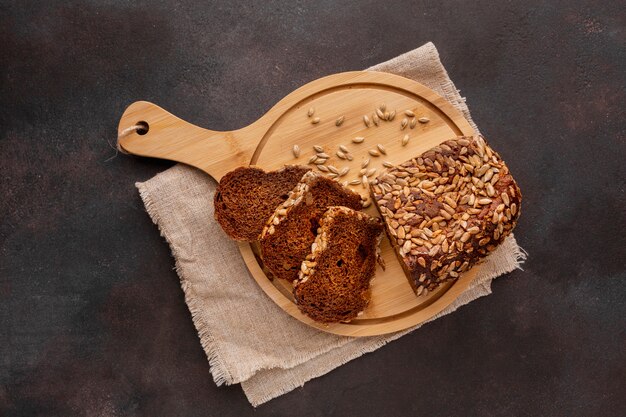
column 447, row 209
column 334, row 280
column 287, row 237
column 246, row 197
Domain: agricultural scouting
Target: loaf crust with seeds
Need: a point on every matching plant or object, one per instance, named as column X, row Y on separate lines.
column 246, row 197
column 287, row 237
column 334, row 280
column 447, row 209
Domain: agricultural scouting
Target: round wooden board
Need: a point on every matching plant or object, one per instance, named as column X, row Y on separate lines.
column 268, row 143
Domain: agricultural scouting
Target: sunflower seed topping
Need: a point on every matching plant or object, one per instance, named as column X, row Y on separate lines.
column 446, row 208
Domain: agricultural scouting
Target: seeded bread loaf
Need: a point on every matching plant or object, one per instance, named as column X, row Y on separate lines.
column 447, row 209
column 246, row 197
column 334, row 281
column 289, row 233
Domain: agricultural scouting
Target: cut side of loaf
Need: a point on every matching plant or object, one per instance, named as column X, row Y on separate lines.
column 447, row 209
column 289, row 233
column 246, row 197
column 334, row 281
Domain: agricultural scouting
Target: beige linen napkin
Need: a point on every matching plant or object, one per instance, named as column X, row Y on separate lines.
column 247, row 338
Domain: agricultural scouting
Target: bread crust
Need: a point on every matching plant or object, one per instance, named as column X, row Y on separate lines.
column 447, row 209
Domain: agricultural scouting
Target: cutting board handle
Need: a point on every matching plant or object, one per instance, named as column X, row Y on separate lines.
column 163, row 135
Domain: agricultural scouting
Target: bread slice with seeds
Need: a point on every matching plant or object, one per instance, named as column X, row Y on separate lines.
column 289, row 233
column 447, row 209
column 334, row 280
column 246, row 197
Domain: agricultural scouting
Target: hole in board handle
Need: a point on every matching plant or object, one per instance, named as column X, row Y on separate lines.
column 143, row 128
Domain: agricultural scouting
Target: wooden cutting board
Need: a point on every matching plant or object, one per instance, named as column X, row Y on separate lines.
column 269, row 142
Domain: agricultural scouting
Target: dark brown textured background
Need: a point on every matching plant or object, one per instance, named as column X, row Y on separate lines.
column 92, row 319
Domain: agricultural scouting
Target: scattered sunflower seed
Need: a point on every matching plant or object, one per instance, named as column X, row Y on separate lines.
column 355, row 182
column 380, row 114
column 315, row 120
column 349, row 157
column 296, row 151
column 423, row 119
column 409, row 113
column 312, row 159
column 344, row 171
column 382, row 149
column 382, row 107
column 413, row 123
column 370, row 172
column 365, row 181
column 322, row 168
column 318, row 148
column 387, row 164
column 343, row 148
column 374, row 152
column 311, row 112
column 403, row 123
column 392, row 114
column 358, row 139
column 333, row 169
column 366, row 120
column 365, row 162
column 405, row 140
column 339, row 121
column 340, row 155
column 375, row 119
column 323, row 155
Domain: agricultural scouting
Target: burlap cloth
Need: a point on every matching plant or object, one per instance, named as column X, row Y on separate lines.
column 247, row 338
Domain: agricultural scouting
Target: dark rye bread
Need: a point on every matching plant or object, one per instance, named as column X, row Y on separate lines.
column 334, row 281
column 246, row 197
column 287, row 237
column 447, row 209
